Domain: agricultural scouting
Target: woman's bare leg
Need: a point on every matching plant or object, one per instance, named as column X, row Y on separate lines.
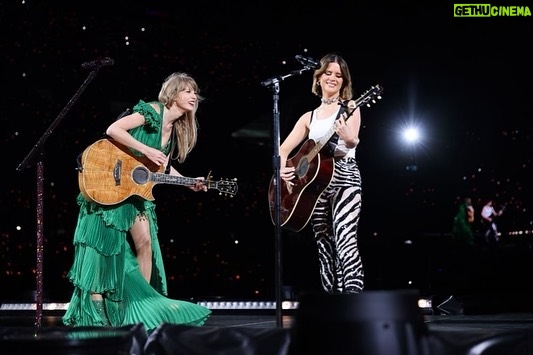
column 140, row 233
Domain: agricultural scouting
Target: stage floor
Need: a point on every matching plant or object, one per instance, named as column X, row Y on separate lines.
column 502, row 333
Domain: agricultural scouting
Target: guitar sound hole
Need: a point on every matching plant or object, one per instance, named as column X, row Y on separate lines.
column 140, row 175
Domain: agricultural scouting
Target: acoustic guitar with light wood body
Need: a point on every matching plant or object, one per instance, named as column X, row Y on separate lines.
column 109, row 173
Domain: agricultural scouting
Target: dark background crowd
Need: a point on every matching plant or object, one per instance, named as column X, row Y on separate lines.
column 464, row 82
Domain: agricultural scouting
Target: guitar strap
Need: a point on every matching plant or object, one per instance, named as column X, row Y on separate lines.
column 167, row 169
column 331, row 144
column 172, row 144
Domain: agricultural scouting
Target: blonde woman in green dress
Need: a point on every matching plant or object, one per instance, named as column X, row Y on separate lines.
column 115, row 284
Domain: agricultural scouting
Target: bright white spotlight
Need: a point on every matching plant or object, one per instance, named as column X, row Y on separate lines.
column 411, row 135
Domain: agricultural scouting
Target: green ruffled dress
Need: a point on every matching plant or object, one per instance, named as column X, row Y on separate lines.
column 104, row 262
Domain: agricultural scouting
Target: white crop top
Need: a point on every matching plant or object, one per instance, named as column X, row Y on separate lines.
column 319, row 127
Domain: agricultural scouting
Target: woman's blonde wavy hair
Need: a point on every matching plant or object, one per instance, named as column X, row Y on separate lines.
column 186, row 127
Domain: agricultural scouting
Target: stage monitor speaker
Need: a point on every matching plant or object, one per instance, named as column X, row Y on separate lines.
column 370, row 322
column 127, row 340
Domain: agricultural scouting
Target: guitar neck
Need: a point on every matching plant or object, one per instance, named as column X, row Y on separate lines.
column 173, row 179
column 225, row 187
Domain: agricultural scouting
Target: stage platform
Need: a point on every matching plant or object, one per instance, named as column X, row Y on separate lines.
column 494, row 322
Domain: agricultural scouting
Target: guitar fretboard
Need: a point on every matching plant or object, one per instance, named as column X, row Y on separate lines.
column 172, row 179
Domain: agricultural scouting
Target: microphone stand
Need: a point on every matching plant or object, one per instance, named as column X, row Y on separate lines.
column 273, row 83
column 35, row 156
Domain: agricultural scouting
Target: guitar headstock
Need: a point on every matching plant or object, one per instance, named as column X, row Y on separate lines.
column 370, row 96
column 227, row 187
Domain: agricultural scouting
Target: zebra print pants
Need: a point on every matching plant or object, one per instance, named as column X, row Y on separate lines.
column 335, row 221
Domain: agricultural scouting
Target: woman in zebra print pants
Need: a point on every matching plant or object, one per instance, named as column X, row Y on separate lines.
column 335, row 217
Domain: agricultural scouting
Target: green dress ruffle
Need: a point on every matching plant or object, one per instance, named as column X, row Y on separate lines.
column 104, row 262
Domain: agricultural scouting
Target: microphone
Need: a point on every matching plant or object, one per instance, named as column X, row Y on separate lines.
column 308, row 62
column 104, row 62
